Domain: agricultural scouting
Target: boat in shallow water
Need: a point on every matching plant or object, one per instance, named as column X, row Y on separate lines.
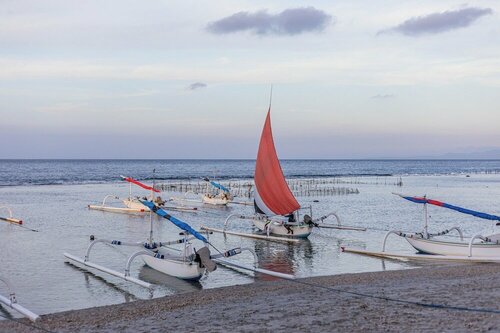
column 481, row 247
column 272, row 196
column 133, row 204
column 221, row 197
column 277, row 211
column 184, row 263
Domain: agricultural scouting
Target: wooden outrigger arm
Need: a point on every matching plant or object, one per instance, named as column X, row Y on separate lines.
column 10, row 219
column 11, row 302
column 319, row 223
column 220, row 258
column 126, row 275
column 242, row 234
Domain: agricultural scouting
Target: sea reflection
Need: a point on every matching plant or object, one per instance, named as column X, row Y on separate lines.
column 284, row 258
column 89, row 277
column 175, row 285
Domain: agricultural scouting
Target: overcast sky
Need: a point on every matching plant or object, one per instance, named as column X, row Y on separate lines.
column 191, row 79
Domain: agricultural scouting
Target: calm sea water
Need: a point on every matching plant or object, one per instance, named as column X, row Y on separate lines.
column 50, row 172
column 33, row 261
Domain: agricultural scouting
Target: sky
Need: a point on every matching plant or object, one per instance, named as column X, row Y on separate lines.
column 192, row 79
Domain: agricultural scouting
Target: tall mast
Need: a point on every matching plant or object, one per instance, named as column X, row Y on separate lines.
column 426, row 220
column 271, row 97
column 151, row 211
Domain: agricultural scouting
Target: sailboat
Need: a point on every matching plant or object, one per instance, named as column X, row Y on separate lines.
column 185, row 263
column 222, row 197
column 272, row 196
column 479, row 248
column 215, row 194
column 278, row 214
column 132, row 204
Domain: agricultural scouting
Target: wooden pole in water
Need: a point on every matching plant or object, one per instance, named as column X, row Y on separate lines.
column 11, row 220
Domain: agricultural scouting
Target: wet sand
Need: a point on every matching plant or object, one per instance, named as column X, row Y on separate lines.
column 279, row 306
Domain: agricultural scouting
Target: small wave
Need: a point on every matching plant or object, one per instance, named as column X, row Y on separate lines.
column 72, row 172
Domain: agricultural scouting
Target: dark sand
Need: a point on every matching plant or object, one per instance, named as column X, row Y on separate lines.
column 280, row 306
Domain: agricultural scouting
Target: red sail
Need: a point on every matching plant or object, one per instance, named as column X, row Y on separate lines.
column 272, row 195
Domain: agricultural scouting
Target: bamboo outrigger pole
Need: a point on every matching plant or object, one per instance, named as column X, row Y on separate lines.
column 10, row 219
column 242, row 234
column 14, row 221
column 11, row 302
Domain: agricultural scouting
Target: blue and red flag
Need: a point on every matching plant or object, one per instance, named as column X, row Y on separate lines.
column 144, row 186
column 424, row 200
column 217, row 185
column 182, row 225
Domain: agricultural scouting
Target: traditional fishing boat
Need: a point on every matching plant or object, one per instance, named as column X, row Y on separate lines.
column 185, row 263
column 11, row 301
column 221, row 197
column 133, row 204
column 479, row 248
column 277, row 211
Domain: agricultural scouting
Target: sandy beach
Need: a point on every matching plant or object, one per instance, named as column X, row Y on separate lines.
column 280, row 306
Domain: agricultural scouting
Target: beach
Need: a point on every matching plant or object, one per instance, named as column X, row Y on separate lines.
column 306, row 306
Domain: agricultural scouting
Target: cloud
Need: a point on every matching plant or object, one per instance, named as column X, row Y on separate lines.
column 197, row 85
column 439, row 22
column 293, row 21
column 383, row 96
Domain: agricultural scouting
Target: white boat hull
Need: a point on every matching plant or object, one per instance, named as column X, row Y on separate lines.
column 298, row 231
column 216, row 201
column 426, row 257
column 178, row 269
column 432, row 246
column 117, row 209
column 132, row 204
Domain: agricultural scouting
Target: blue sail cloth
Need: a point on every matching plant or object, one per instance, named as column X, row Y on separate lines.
column 219, row 186
column 182, row 225
column 456, row 208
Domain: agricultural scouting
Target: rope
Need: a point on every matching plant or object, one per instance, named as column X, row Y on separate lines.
column 27, row 324
column 388, row 299
column 23, row 226
column 216, row 249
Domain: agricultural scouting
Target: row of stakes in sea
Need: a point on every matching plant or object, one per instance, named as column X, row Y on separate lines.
column 299, row 186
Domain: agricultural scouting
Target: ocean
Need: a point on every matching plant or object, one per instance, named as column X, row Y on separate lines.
column 51, row 196
column 51, row 172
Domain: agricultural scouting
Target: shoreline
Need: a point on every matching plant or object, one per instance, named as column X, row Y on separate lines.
column 281, row 305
